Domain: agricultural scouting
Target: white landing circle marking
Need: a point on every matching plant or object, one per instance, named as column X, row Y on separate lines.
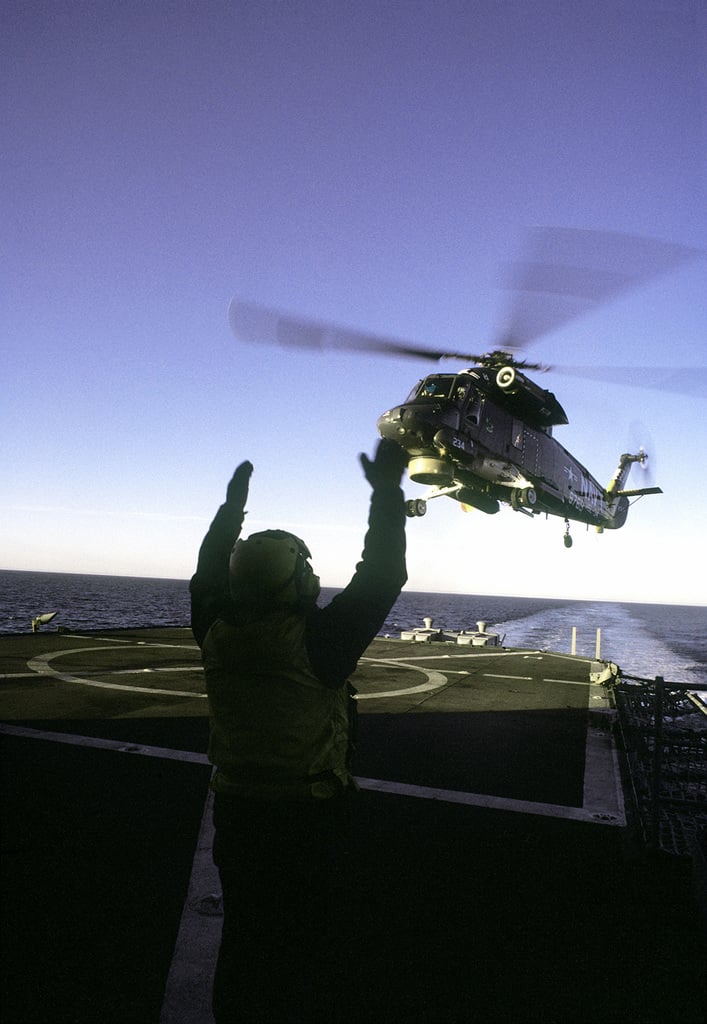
column 41, row 665
column 435, row 680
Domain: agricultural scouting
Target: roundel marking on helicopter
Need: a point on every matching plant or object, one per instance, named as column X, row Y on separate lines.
column 506, row 376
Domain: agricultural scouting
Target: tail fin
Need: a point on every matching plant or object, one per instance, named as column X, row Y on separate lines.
column 617, row 494
column 615, row 488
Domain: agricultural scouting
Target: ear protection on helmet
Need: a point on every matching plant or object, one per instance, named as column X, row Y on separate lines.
column 304, row 578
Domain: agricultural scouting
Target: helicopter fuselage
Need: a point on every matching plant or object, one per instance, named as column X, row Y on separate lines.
column 484, row 437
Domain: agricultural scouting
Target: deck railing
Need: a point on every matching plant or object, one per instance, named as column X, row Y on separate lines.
column 664, row 730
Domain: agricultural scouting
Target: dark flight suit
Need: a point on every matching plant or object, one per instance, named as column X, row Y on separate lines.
column 281, row 740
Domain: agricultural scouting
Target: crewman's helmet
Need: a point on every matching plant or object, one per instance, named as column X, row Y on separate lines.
column 272, row 568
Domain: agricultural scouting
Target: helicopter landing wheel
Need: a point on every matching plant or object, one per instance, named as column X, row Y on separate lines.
column 415, row 507
column 567, row 540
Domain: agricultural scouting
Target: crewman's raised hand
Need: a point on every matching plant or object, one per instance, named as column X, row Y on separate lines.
column 387, row 466
column 237, row 490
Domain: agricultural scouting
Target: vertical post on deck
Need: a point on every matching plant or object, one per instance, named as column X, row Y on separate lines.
column 659, row 703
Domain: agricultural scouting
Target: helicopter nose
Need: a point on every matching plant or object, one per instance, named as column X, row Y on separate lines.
column 390, row 425
column 403, row 425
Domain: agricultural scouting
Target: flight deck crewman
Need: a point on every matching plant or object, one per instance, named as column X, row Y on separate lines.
column 281, row 734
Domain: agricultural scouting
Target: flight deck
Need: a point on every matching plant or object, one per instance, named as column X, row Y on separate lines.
column 496, row 874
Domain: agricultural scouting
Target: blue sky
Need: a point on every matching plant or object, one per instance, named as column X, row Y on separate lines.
column 371, row 164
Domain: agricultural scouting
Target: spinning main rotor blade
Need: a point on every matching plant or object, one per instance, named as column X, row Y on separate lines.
column 678, row 380
column 250, row 322
column 262, row 325
column 568, row 273
column 571, row 271
column 259, row 324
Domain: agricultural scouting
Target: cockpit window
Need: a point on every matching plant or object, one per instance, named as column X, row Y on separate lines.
column 439, row 386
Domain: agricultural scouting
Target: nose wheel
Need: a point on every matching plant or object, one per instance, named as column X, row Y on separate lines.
column 416, row 507
column 567, row 540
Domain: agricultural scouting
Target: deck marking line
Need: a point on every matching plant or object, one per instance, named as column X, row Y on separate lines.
column 568, row 682
column 96, row 742
column 602, row 780
column 100, row 639
column 157, row 668
column 435, row 680
column 135, row 642
column 18, row 675
column 41, row 665
column 496, row 803
column 462, row 655
column 188, row 990
column 497, row 675
column 546, row 679
column 529, row 654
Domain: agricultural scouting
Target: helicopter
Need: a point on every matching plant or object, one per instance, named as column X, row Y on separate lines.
column 483, row 436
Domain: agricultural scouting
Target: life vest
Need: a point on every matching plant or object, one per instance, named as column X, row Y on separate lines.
column 276, row 732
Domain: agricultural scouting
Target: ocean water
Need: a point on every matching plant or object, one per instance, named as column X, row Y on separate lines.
column 87, row 602
column 645, row 640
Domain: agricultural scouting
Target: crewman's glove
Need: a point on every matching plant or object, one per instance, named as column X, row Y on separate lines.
column 237, row 490
column 388, row 464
